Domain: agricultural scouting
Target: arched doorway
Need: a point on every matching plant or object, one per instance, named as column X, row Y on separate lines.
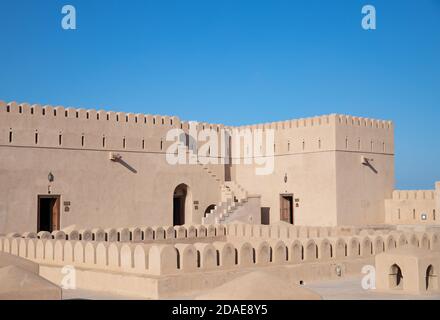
column 396, row 277
column 181, row 204
column 431, row 279
column 208, row 210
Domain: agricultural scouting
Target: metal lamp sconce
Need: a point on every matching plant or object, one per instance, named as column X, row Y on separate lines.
column 50, row 178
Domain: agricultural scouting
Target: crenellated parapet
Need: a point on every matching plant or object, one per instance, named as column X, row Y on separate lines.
column 413, row 207
column 35, row 125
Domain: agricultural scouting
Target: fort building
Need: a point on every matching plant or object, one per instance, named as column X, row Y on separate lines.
column 64, row 166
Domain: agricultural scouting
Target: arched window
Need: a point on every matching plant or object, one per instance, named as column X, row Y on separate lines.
column 396, row 277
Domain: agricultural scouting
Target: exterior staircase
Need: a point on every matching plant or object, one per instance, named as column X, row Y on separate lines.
column 233, row 196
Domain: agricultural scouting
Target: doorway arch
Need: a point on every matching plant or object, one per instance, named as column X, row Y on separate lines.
column 181, row 204
column 208, row 210
column 396, row 277
column 430, row 278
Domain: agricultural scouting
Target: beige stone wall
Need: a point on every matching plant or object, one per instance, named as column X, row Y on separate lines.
column 101, row 192
column 408, row 206
column 322, row 158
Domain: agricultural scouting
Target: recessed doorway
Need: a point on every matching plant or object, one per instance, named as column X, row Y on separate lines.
column 286, row 208
column 48, row 213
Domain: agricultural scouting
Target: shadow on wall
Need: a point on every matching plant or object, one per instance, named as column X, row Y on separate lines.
column 129, row 167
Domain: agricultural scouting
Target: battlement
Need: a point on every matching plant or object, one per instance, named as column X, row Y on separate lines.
column 131, row 118
column 413, row 195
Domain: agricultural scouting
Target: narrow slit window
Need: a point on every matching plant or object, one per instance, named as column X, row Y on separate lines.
column 145, row 120
column 163, row 121
column 97, row 116
column 117, row 117
column 319, row 144
column 82, row 140
column 304, row 145
column 161, row 144
column 44, row 112
column 126, row 118
column 359, row 144
column 346, row 142
column 36, row 137
column 154, row 120
column 55, row 112
column 20, row 109
column 77, row 114
column 87, row 115
column 108, row 117
column 103, row 141
column 8, row 108
column 123, row 143
column 371, row 145
column 60, row 139
column 433, row 214
column 66, row 114
column 32, row 110
column 143, row 144
column 10, row 136
column 288, row 145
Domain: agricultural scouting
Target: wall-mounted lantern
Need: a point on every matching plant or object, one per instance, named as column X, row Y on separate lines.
column 50, row 177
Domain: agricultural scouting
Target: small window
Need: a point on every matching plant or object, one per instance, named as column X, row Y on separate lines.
column 433, row 214
column 55, row 112
column 163, row 121
column 97, row 116
column 108, row 117
column 288, row 145
column 8, row 108
column 143, row 144
column 20, row 109
column 319, row 144
column 346, row 142
column 82, row 140
column 87, row 115
column 304, row 145
column 44, row 112
column 66, row 114
column 123, row 143
column 32, row 110
column 103, row 141
column 126, row 118
column 171, row 121
column 154, row 120
column 10, row 136
column 77, row 114
column 60, row 139
column 161, row 144
column 145, row 120
column 36, row 137
column 135, row 119
column 117, row 117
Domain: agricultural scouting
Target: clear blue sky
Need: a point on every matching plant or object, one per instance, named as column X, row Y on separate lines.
column 236, row 62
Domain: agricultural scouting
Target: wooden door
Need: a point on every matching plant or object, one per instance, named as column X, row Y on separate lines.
column 286, row 209
column 55, row 214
